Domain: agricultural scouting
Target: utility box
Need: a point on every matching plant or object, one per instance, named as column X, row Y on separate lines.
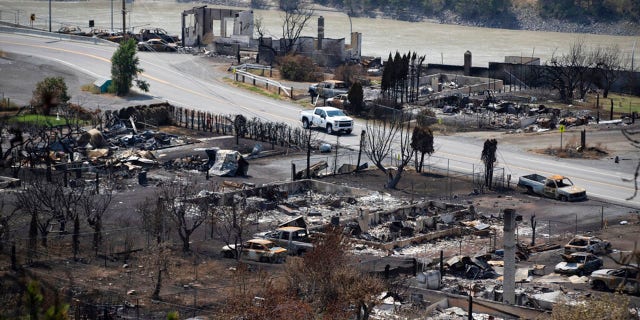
column 102, row 84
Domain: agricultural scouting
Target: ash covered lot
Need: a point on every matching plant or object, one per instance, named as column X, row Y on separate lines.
column 406, row 229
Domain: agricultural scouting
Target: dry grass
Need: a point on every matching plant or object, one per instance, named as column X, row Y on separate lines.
column 91, row 88
column 569, row 152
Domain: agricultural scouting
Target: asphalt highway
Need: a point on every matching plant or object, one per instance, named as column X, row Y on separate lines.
column 199, row 88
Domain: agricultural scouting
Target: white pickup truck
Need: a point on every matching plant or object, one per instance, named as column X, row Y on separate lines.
column 329, row 118
column 556, row 187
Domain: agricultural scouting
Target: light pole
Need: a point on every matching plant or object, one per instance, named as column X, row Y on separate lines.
column 111, row 16
column 49, row 15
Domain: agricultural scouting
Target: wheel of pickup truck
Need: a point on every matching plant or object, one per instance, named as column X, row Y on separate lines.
column 564, row 198
column 529, row 190
column 305, row 123
column 599, row 285
column 349, row 131
column 329, row 129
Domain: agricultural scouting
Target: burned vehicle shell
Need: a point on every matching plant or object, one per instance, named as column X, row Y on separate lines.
column 578, row 263
column 593, row 245
column 624, row 279
column 260, row 250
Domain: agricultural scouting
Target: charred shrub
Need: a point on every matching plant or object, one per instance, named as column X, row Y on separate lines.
column 298, row 68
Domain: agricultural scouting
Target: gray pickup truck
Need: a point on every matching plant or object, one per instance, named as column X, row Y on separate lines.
column 295, row 239
column 328, row 88
column 555, row 187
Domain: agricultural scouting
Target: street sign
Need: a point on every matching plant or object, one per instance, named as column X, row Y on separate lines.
column 561, row 128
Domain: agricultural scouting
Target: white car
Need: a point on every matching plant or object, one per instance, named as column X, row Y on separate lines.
column 260, row 250
column 578, row 263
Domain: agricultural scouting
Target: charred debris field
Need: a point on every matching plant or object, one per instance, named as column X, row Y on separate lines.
column 222, row 190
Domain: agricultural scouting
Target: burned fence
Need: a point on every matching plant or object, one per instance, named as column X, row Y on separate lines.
column 275, row 133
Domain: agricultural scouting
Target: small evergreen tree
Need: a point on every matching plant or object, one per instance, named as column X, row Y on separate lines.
column 422, row 141
column 356, row 98
column 125, row 69
column 489, row 158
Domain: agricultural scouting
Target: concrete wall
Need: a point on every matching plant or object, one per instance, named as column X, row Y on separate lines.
column 200, row 31
column 243, row 23
column 453, row 232
column 467, row 85
column 289, row 188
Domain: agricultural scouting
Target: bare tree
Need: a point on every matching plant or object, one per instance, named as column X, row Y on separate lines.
column 6, row 219
column 68, row 201
column 38, row 199
column 157, row 262
column 609, row 63
column 296, row 15
column 632, row 136
column 153, row 220
column 380, row 138
column 184, row 209
column 570, row 72
column 234, row 220
column 310, row 139
column 94, row 207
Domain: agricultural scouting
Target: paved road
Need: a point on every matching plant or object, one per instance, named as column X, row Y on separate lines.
column 179, row 79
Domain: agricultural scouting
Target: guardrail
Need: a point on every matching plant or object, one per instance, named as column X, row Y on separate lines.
column 251, row 66
column 244, row 74
column 61, row 36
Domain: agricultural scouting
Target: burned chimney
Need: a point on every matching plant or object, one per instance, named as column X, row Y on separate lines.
column 467, row 63
column 509, row 278
column 320, row 31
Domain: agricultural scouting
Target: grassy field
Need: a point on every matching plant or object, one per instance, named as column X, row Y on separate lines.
column 622, row 103
column 41, row 120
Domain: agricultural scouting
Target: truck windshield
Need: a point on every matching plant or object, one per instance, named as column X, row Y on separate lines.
column 335, row 113
column 564, row 183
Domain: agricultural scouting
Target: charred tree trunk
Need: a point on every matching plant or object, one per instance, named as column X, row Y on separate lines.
column 76, row 237
column 97, row 235
column 156, row 290
column 393, row 180
column 33, row 237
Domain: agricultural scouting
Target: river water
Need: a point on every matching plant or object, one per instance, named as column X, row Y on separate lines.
column 440, row 43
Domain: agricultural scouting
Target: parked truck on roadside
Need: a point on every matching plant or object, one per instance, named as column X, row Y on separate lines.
column 330, row 118
column 295, row 239
column 328, row 88
column 556, row 187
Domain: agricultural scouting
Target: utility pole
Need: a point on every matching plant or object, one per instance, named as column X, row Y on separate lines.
column 111, row 16
column 124, row 20
column 49, row 15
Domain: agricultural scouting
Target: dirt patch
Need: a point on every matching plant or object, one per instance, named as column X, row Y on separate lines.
column 587, row 153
